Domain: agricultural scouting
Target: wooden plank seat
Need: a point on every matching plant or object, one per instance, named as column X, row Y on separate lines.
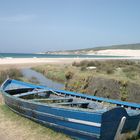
column 79, row 104
column 30, row 93
column 53, row 100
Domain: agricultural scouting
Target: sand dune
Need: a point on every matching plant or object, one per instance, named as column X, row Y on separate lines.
column 118, row 52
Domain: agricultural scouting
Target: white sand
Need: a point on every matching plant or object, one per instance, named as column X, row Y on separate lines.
column 36, row 61
column 117, row 52
column 25, row 60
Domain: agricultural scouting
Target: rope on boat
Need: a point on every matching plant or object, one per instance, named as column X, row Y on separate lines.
column 58, row 94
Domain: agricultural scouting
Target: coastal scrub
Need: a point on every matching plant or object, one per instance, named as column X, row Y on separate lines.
column 12, row 73
column 117, row 79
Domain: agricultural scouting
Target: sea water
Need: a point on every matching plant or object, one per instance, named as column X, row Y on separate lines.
column 29, row 55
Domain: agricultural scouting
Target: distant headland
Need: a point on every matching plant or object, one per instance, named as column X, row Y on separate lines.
column 113, row 50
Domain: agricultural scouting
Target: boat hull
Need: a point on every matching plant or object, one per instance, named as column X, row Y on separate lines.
column 81, row 124
column 62, row 120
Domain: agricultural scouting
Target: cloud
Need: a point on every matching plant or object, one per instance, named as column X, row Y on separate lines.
column 17, row 18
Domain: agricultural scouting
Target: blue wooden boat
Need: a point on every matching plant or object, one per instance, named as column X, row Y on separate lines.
column 79, row 115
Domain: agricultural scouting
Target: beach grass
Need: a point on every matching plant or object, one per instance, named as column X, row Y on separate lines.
column 14, row 126
column 54, row 72
column 119, row 69
column 12, row 73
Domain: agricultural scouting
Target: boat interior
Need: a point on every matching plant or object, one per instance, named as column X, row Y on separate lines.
column 46, row 96
column 64, row 100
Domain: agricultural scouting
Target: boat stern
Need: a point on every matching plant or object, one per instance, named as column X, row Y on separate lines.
column 117, row 124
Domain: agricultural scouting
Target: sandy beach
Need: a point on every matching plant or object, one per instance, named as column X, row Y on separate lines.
column 29, row 62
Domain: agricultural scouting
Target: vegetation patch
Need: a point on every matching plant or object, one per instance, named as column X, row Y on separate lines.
column 116, row 79
column 52, row 72
column 12, row 73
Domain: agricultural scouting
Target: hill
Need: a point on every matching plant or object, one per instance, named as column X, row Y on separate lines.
column 124, row 46
column 95, row 49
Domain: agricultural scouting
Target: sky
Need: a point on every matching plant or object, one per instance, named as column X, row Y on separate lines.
column 28, row 26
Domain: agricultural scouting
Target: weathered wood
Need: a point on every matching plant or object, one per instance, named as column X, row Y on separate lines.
column 30, row 93
column 53, row 99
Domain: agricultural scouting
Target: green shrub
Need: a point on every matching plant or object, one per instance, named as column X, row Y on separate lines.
column 109, row 71
column 83, row 68
column 123, row 90
column 69, row 75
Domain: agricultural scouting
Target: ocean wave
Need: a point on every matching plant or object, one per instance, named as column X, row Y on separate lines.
column 8, row 57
